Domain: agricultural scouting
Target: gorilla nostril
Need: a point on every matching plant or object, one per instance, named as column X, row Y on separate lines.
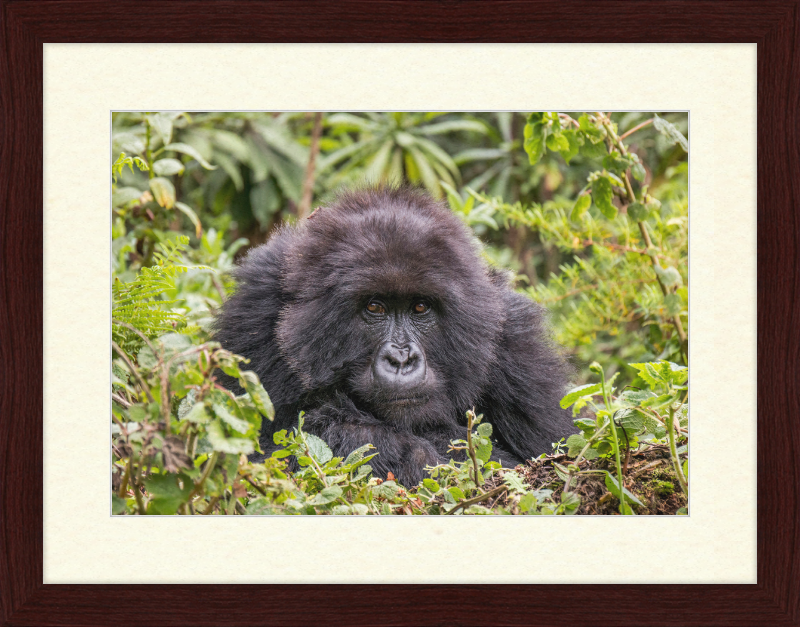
column 399, row 365
column 393, row 362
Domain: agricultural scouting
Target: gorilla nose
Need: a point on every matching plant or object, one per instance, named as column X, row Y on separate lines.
column 400, row 365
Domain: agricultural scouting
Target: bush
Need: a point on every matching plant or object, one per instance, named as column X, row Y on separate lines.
column 595, row 226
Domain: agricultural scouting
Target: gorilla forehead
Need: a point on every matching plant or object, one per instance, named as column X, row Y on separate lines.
column 381, row 242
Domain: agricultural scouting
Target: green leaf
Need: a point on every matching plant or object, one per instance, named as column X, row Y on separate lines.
column 189, row 213
column 669, row 276
column 485, row 430
column 388, row 489
column 357, row 455
column 514, row 481
column 163, row 191
column 570, row 501
column 557, row 142
column 331, row 493
column 232, row 144
column 580, row 207
column 360, row 509
column 249, row 381
column 574, row 145
column 593, row 151
column 584, row 390
column 456, row 493
column 439, row 128
column 534, row 138
column 231, row 168
column 118, row 505
column 162, row 125
column 124, row 195
column 660, row 401
column 174, row 342
column 615, row 162
column 652, row 204
column 197, row 414
column 168, row 167
column 527, row 502
column 237, row 424
column 288, row 175
column 431, row 485
column 602, row 194
column 318, row 448
column 637, row 212
column 630, row 420
column 350, row 121
column 675, row 372
column 192, row 152
column 128, row 142
column 483, row 450
column 575, row 444
column 632, row 398
column 613, row 486
column 594, row 133
column 221, row 442
column 638, row 171
column 672, row 133
column 648, row 374
column 673, row 304
column 166, row 495
column 478, row 154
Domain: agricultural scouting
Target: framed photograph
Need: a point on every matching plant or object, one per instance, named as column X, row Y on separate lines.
column 67, row 561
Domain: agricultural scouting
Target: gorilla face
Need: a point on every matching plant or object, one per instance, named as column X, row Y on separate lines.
column 378, row 318
column 384, row 302
column 397, row 382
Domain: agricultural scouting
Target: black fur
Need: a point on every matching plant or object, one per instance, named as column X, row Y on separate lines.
column 300, row 315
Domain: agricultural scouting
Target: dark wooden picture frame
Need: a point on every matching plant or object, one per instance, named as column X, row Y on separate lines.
column 774, row 25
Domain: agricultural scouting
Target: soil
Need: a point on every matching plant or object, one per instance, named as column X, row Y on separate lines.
column 649, row 475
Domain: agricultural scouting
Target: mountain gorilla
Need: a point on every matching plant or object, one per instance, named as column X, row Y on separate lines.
column 379, row 319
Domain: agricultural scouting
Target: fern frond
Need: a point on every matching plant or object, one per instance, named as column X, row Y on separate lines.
column 140, row 303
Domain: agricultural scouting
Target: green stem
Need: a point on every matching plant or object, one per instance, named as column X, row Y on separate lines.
column 322, row 476
column 206, row 474
column 123, row 486
column 616, row 445
column 133, row 369
column 673, row 451
column 578, row 459
column 137, row 482
column 676, row 320
column 471, row 449
column 148, row 151
column 477, row 499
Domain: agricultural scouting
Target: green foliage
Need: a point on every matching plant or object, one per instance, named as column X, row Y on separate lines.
column 590, row 209
column 621, row 292
column 178, row 437
column 139, row 303
column 655, row 413
column 384, row 147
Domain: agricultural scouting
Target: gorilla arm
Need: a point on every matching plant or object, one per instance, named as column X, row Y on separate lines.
column 345, row 428
column 525, row 386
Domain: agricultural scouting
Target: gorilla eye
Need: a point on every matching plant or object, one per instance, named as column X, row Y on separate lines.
column 421, row 307
column 374, row 307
